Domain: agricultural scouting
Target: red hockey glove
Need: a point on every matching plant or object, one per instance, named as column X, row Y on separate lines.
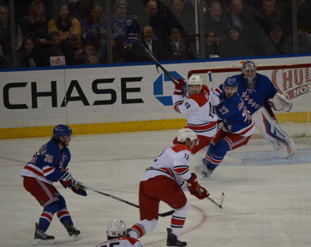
column 201, row 193
column 67, row 180
column 179, row 87
column 193, row 184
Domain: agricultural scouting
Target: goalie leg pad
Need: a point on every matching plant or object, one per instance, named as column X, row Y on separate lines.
column 272, row 131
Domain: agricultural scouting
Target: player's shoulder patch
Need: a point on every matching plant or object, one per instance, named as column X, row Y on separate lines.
column 199, row 98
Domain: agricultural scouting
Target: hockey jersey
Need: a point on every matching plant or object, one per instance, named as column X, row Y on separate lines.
column 198, row 108
column 256, row 97
column 48, row 164
column 173, row 162
column 121, row 242
column 234, row 113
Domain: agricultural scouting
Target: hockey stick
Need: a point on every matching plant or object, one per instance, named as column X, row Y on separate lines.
column 158, row 65
column 221, row 200
column 121, row 200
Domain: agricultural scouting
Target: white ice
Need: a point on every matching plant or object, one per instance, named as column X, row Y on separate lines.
column 267, row 200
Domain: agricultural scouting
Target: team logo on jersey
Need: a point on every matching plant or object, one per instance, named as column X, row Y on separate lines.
column 158, row 89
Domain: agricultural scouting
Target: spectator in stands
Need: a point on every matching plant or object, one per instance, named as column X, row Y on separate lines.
column 93, row 30
column 215, row 22
column 280, row 44
column 139, row 54
column 238, row 16
column 57, row 50
column 69, row 30
column 211, row 45
column 89, row 54
column 5, row 61
column 5, row 32
column 124, row 31
column 31, row 55
column 35, row 25
column 151, row 18
column 184, row 19
column 235, row 45
column 175, row 48
column 267, row 14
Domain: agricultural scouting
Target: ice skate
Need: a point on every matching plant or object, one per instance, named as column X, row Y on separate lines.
column 42, row 238
column 172, row 239
column 206, row 171
column 72, row 231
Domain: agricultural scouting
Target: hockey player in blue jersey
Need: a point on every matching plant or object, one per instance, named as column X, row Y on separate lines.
column 260, row 95
column 237, row 127
column 48, row 165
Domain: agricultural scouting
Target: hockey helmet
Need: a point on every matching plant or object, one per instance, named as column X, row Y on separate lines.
column 116, row 228
column 183, row 134
column 231, row 82
column 249, row 72
column 195, row 80
column 61, row 130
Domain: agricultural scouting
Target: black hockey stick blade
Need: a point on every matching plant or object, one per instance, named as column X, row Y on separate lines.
column 121, row 200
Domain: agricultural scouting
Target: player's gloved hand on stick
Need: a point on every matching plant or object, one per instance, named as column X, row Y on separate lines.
column 78, row 190
column 196, row 189
column 179, row 87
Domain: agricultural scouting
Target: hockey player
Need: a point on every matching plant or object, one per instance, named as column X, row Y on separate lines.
column 164, row 181
column 198, row 109
column 116, row 235
column 259, row 95
column 48, row 165
column 237, row 127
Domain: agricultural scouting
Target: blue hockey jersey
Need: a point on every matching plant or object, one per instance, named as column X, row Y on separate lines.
column 48, row 164
column 234, row 114
column 256, row 97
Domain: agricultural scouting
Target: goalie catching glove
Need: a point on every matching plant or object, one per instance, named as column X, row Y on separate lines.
column 280, row 102
column 196, row 189
column 68, row 182
column 179, row 87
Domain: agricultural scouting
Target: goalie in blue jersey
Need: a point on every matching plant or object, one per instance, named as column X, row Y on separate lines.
column 261, row 97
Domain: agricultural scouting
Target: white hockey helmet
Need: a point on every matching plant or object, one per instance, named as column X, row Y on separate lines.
column 249, row 72
column 183, row 134
column 116, row 228
column 195, row 80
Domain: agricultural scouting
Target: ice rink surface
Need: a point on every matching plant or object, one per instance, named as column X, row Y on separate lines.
column 267, row 199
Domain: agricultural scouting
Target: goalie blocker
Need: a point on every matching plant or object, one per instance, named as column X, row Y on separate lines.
column 272, row 131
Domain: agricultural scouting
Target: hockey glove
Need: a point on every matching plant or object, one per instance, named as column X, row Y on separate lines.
column 80, row 192
column 201, row 193
column 67, row 180
column 179, row 88
column 196, row 189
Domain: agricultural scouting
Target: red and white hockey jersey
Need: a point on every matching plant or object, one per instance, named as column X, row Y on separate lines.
column 199, row 111
column 121, row 242
column 173, row 162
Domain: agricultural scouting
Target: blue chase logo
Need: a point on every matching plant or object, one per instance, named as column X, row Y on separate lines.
column 158, row 88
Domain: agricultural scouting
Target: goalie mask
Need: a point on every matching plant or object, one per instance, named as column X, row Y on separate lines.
column 249, row 72
column 184, row 134
column 115, row 229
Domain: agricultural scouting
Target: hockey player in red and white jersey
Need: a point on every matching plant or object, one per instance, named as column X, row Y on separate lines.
column 165, row 181
column 116, row 235
column 198, row 108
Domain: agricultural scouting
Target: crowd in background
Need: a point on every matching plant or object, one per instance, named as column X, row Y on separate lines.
column 78, row 32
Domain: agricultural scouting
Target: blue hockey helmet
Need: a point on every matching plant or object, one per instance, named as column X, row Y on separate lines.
column 231, row 82
column 61, row 130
